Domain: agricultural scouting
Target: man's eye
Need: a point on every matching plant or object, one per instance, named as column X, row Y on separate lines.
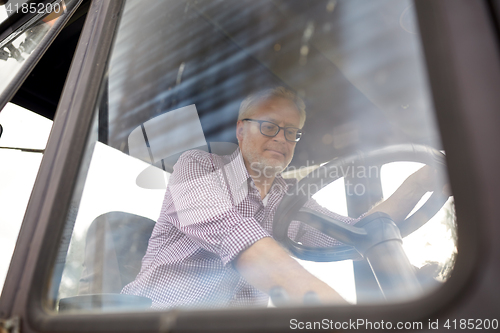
column 268, row 127
column 291, row 132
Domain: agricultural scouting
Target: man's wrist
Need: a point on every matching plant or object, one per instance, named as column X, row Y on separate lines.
column 415, row 187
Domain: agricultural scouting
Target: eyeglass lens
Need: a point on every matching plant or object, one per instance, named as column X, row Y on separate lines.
column 271, row 129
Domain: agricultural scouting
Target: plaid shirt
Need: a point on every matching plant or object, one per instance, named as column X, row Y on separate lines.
column 212, row 211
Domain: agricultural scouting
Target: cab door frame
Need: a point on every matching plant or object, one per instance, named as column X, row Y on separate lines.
column 59, row 161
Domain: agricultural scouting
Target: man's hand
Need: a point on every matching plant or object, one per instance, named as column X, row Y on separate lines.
column 267, row 265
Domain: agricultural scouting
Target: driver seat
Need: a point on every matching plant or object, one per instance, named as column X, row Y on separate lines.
column 115, row 244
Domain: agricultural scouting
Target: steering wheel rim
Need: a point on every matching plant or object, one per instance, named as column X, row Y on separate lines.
column 290, row 208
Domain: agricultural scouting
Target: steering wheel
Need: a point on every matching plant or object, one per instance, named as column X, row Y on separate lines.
column 291, row 207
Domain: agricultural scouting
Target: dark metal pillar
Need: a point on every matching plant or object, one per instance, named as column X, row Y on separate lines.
column 362, row 193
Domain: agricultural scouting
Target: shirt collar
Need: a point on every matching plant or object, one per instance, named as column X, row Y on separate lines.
column 279, row 180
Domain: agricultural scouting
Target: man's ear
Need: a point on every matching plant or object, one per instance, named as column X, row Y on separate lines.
column 239, row 130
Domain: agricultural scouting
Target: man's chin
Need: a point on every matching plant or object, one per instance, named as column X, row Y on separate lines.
column 275, row 165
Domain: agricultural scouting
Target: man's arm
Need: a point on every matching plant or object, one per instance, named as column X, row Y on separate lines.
column 401, row 202
column 265, row 265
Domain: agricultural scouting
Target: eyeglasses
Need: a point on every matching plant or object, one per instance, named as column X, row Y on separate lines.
column 270, row 129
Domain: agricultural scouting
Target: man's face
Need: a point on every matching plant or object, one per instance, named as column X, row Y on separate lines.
column 265, row 153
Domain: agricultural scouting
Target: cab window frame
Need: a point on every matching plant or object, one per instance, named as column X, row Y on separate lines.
column 45, row 218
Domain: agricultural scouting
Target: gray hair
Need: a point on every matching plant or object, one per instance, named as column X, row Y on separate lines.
column 255, row 98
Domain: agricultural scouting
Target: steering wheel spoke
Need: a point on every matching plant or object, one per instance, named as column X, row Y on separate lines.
column 344, row 233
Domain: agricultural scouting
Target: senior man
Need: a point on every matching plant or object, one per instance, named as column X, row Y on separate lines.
column 212, row 245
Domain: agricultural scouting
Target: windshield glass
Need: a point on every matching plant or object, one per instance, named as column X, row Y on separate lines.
column 237, row 143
